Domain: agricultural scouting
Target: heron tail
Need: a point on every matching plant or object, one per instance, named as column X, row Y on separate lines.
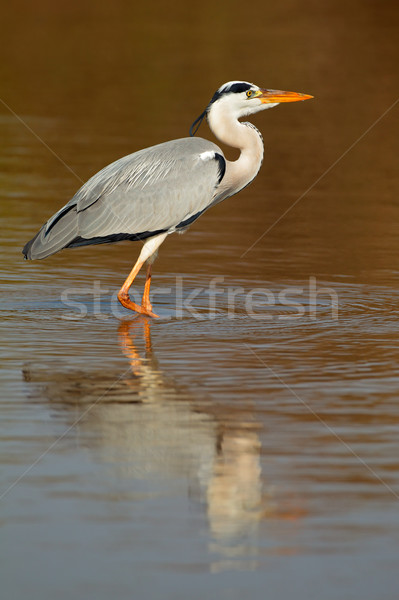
column 56, row 234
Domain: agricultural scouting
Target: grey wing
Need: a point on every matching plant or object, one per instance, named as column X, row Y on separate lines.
column 159, row 189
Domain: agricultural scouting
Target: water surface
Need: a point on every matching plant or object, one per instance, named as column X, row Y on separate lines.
column 246, row 443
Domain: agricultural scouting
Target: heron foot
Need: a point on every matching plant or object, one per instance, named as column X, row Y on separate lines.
column 144, row 309
column 149, row 313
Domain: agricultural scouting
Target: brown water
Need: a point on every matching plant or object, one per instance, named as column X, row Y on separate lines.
column 242, row 445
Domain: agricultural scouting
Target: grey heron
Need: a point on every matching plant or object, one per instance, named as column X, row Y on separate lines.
column 163, row 189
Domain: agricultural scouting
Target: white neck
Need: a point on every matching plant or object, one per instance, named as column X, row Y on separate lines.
column 226, row 127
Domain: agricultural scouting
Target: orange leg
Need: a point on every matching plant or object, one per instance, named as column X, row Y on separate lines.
column 145, row 303
column 150, row 247
column 123, row 294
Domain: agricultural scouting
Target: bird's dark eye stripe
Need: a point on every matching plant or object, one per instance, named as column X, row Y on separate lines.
column 238, row 88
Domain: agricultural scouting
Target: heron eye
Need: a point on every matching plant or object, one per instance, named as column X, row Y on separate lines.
column 249, row 93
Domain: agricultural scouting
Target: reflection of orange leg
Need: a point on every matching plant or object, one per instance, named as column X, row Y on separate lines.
column 128, row 347
column 127, row 343
column 147, row 337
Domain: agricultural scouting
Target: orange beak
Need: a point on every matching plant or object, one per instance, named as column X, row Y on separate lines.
column 277, row 96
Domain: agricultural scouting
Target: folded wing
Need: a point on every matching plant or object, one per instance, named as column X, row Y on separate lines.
column 160, row 189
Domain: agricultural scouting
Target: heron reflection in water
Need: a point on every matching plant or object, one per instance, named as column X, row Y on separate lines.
column 163, row 189
column 145, row 427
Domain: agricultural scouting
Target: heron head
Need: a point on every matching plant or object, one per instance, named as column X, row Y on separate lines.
column 241, row 99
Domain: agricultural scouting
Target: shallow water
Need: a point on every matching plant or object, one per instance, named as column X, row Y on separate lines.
column 246, row 443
